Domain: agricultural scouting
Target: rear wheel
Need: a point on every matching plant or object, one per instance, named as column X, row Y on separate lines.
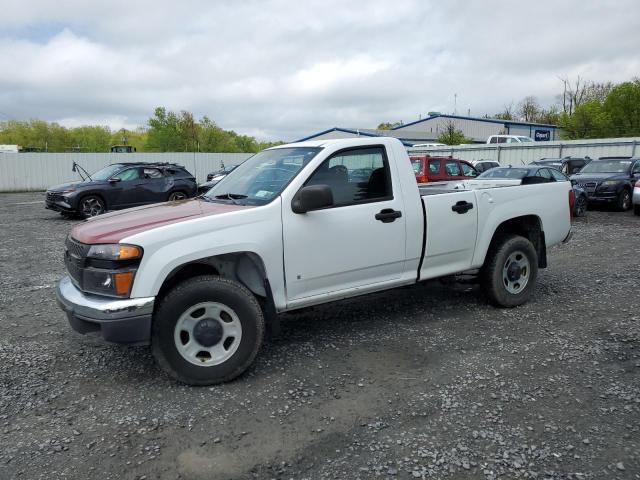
column 207, row 330
column 624, row 200
column 177, row 196
column 510, row 271
column 90, row 206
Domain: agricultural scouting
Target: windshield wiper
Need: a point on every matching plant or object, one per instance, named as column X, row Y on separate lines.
column 231, row 196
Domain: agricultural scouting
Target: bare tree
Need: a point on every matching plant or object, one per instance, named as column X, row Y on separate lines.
column 507, row 113
column 529, row 109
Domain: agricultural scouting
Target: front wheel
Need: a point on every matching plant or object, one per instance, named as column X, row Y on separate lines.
column 624, row 200
column 207, row 330
column 580, row 208
column 90, row 206
column 510, row 271
column 174, row 196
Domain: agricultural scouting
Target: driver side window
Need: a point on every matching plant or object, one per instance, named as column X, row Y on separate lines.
column 129, row 174
column 636, row 168
column 355, row 176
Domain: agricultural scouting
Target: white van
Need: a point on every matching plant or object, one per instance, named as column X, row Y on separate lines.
column 509, row 139
column 9, row 148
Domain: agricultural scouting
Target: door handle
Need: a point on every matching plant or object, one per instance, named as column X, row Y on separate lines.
column 387, row 215
column 462, row 207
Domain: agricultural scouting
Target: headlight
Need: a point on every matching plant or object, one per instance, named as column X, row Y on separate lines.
column 609, row 183
column 68, row 191
column 114, row 252
column 108, row 282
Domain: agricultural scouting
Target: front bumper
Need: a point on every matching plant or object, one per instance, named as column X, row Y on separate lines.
column 117, row 320
column 59, row 204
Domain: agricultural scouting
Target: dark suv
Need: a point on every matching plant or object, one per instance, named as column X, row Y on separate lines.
column 609, row 180
column 121, row 185
column 567, row 165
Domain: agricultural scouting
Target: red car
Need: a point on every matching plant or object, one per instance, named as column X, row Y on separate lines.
column 441, row 169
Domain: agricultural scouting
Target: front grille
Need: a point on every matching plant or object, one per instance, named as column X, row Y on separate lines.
column 77, row 249
column 54, row 196
column 590, row 187
column 74, row 258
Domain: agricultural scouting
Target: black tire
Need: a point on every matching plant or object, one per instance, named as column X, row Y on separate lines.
column 177, row 195
column 580, row 208
column 90, row 206
column 624, row 200
column 186, row 295
column 493, row 272
column 636, row 209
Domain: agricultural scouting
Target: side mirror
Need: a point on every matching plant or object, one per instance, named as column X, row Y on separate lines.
column 313, row 197
column 114, row 180
column 74, row 168
column 574, row 182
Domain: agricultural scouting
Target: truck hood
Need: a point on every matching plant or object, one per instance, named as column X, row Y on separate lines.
column 113, row 227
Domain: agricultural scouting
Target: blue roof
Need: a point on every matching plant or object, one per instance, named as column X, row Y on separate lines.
column 489, row 120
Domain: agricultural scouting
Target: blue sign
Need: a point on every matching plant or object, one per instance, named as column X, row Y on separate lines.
column 542, row 135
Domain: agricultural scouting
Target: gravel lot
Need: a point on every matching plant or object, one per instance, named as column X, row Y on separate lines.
column 420, row 382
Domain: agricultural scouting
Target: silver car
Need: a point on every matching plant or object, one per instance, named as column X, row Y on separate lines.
column 636, row 198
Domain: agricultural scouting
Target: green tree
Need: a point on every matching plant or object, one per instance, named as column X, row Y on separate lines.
column 388, row 125
column 452, row 136
column 622, row 106
column 164, row 134
column 91, row 138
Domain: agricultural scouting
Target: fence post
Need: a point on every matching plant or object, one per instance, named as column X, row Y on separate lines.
column 560, row 151
column 498, row 154
column 633, row 148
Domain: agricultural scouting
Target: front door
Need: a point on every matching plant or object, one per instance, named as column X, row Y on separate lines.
column 359, row 241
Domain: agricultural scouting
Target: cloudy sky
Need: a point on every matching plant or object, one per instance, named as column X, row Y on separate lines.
column 283, row 69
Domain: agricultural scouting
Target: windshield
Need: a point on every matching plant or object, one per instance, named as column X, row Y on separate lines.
column 505, row 173
column 417, row 165
column 607, row 166
column 262, row 177
column 106, row 173
column 525, row 139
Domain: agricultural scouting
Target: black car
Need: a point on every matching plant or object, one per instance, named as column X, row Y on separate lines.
column 543, row 174
column 609, row 180
column 567, row 165
column 220, row 173
column 484, row 165
column 121, row 185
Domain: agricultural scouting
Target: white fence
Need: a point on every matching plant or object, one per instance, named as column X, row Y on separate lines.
column 37, row 171
column 524, row 153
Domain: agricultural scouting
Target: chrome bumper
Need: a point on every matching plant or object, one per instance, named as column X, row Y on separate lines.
column 126, row 320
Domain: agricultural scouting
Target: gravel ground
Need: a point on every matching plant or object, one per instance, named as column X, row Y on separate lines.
column 421, row 382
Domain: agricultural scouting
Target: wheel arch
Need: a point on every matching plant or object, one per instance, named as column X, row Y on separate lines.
column 528, row 226
column 94, row 193
column 244, row 267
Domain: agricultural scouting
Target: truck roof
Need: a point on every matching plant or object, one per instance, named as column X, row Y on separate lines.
column 346, row 142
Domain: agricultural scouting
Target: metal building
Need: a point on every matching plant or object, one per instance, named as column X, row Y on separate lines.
column 428, row 129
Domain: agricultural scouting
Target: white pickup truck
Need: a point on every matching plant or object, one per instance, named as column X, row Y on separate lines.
column 296, row 225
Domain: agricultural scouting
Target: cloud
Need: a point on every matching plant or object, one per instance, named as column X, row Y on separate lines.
column 284, row 69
